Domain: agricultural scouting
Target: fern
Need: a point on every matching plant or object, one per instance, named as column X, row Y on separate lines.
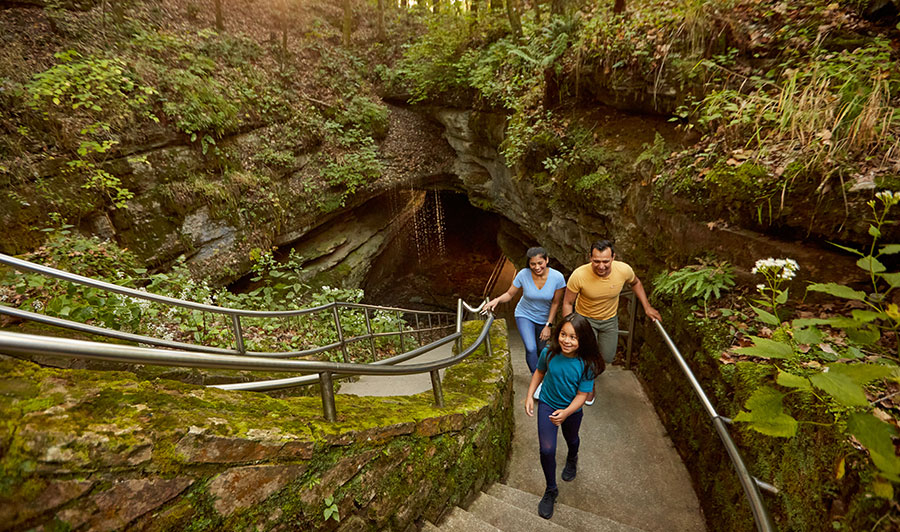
column 697, row 281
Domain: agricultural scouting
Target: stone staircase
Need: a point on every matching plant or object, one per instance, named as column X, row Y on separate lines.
column 503, row 508
column 630, row 478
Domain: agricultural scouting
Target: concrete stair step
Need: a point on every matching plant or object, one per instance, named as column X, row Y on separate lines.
column 460, row 520
column 565, row 516
column 511, row 518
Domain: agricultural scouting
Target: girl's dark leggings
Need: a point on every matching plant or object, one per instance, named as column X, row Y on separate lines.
column 547, row 439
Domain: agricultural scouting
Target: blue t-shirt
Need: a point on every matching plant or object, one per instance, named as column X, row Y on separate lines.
column 563, row 379
column 535, row 304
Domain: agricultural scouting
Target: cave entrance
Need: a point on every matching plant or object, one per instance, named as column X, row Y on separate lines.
column 446, row 250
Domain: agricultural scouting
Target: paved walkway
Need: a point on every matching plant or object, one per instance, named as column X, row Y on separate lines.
column 370, row 385
column 628, row 469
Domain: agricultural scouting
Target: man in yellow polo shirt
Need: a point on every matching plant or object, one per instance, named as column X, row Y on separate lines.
column 596, row 286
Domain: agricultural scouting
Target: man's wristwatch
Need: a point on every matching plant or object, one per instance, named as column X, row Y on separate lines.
column 549, row 324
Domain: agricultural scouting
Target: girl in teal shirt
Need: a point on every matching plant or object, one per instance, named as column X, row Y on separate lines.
column 567, row 368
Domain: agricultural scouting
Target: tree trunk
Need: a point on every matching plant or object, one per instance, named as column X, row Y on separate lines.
column 436, row 6
column 557, row 7
column 380, row 21
column 220, row 21
column 118, row 9
column 537, row 12
column 619, row 7
column 404, row 4
column 496, row 4
column 348, row 19
column 512, row 11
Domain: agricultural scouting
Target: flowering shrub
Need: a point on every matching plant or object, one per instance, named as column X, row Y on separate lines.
column 855, row 382
column 776, row 273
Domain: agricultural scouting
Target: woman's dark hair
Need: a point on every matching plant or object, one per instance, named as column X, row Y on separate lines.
column 534, row 252
column 587, row 343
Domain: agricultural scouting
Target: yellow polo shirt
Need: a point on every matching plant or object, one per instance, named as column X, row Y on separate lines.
column 598, row 297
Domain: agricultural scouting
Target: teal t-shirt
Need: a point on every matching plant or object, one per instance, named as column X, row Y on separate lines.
column 563, row 379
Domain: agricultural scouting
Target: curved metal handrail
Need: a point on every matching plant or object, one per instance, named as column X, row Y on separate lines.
column 235, row 314
column 20, row 264
column 26, row 344
column 750, row 483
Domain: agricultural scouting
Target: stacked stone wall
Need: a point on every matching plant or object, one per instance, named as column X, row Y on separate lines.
column 100, row 450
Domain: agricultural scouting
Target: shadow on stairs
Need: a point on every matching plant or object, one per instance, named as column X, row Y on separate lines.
column 509, row 509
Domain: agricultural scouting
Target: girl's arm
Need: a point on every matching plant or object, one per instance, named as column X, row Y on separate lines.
column 502, row 298
column 536, row 379
column 559, row 416
column 554, row 305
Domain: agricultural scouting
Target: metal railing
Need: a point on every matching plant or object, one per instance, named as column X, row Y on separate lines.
column 200, row 356
column 750, row 484
column 26, row 344
column 435, row 320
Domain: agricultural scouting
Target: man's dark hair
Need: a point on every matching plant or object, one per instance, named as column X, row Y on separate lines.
column 602, row 245
column 534, row 252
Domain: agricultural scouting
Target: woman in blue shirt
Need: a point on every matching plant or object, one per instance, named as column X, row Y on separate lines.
column 542, row 291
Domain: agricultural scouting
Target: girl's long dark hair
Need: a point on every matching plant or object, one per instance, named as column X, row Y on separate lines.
column 587, row 343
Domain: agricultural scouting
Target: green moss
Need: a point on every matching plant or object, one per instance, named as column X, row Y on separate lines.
column 127, row 413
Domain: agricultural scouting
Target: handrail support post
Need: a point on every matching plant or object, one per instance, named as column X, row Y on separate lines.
column 327, row 389
column 340, row 331
column 369, row 332
column 238, row 334
column 438, row 388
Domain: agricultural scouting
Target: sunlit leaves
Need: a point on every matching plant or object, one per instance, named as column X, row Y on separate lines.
column 871, row 264
column 789, row 380
column 838, row 290
column 766, row 348
column 876, row 436
column 765, row 414
column 841, row 387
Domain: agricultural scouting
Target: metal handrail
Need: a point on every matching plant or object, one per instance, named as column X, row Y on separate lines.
column 235, row 315
column 20, row 264
column 26, row 344
column 750, row 483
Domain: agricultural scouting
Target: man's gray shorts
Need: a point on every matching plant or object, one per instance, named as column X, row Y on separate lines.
column 607, row 332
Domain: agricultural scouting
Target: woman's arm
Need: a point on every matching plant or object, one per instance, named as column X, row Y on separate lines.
column 502, row 298
column 558, row 416
column 536, row 379
column 554, row 306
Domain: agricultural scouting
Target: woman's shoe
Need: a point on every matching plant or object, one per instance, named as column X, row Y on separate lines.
column 568, row 473
column 545, row 507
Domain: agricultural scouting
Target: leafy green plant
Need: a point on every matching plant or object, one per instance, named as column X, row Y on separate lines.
column 91, row 83
column 331, row 509
column 697, row 281
column 841, row 385
column 865, row 325
column 430, row 64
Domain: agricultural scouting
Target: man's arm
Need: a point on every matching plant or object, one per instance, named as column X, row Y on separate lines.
column 638, row 290
column 569, row 302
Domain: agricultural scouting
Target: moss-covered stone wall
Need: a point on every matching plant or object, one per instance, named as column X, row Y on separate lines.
column 104, row 450
column 823, row 480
